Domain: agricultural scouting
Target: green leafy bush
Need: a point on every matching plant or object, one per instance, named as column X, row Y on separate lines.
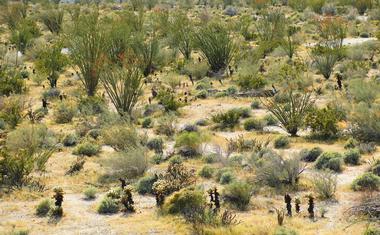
column 323, row 122
column 366, row 182
column 11, row 82
column 325, row 184
column 330, row 160
column 228, row 119
column 237, row 194
column 185, row 201
column 121, row 137
column 147, row 123
column 108, row 206
column 145, row 184
column 90, row 193
column 168, row 100
column 226, row 177
column 210, row 158
column 190, row 142
column 206, row 172
column 281, row 142
column 310, row 155
column 87, row 148
column 253, row 124
column 44, row 207
column 156, row 144
column 70, row 140
column 352, row 157
column 64, row 112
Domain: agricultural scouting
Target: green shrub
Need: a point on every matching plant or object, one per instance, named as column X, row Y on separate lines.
column 323, row 122
column 253, row 124
column 270, row 120
column 235, row 160
column 198, row 71
column 108, row 206
column 372, row 231
column 206, row 172
column 202, row 94
column 210, row 158
column 51, row 94
column 70, row 140
column 56, row 212
column 90, row 193
column 87, row 148
column 237, row 194
column 330, row 160
column 190, row 142
column 352, row 157
column 130, row 164
column 325, row 184
column 64, row 112
column 255, row 104
column 157, row 159
column 251, row 81
column 366, row 182
column 228, row 119
column 281, row 142
column 351, row 143
column 168, row 100
column 91, row 105
column 147, row 123
column 44, row 207
column 185, row 201
column 176, row 159
column 121, row 137
column 145, row 184
column 364, row 119
column 156, row 144
column 166, row 125
column 11, row 82
column 310, row 155
column 375, row 168
column 226, row 177
column 316, row 5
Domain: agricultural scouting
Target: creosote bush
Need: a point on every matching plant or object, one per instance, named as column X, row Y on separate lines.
column 87, row 148
column 366, row 182
column 325, row 184
column 108, row 206
column 64, row 112
column 330, row 160
column 310, row 155
column 145, row 184
column 90, row 193
column 281, row 142
column 44, row 207
column 238, row 194
column 352, row 157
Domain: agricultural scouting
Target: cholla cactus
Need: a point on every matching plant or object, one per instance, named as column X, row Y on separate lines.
column 310, row 209
column 127, row 200
column 288, row 201
column 298, row 203
column 58, row 196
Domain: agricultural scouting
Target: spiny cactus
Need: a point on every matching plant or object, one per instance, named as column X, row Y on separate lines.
column 310, row 209
column 127, row 200
column 298, row 203
column 288, row 201
column 214, row 199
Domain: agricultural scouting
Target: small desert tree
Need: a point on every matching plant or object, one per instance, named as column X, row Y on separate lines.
column 123, row 86
column 332, row 31
column 52, row 19
column 86, row 44
column 291, row 113
column 181, row 33
column 216, row 45
column 51, row 62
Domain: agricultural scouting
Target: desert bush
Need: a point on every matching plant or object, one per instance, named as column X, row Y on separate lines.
column 210, row 158
column 11, row 111
column 235, row 160
column 366, row 182
column 185, row 201
column 238, row 194
column 228, row 119
column 166, row 125
column 12, row 14
column 330, row 160
column 147, row 123
column 323, row 122
column 226, row 177
column 249, row 78
column 351, row 143
column 275, row 171
column 290, row 114
column 372, row 231
column 281, row 142
column 352, row 157
column 168, row 100
column 325, row 184
column 316, row 5
column 363, row 91
column 255, row 104
column 121, row 137
column 285, row 231
column 181, row 33
column 206, row 172
column 156, row 144
column 64, row 112
column 24, row 33
column 129, row 164
column 197, row 71
column 91, row 105
column 18, row 167
column 363, row 5
column 310, row 155
column 145, row 184
column 11, row 82
column 253, row 124
column 76, row 166
column 56, row 212
column 216, row 46
column 190, row 142
column 51, row 93
column 90, row 193
column 108, row 206
column 270, row 120
column 87, row 148
column 325, row 59
column 363, row 118
column 29, row 136
column 44, row 207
